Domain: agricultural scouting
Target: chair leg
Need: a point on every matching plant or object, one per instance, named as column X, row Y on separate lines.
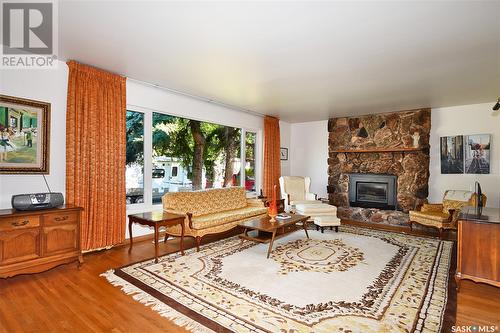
column 317, row 228
column 331, row 227
column 440, row 233
column 411, row 226
column 322, row 230
column 336, row 229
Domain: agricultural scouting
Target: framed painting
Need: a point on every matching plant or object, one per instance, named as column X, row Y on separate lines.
column 477, row 153
column 24, row 136
column 452, row 154
column 284, row 154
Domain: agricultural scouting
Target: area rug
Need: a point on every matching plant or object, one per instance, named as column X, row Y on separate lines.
column 356, row 280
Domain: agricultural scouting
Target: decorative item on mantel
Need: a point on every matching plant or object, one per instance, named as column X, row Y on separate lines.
column 416, row 139
column 273, row 207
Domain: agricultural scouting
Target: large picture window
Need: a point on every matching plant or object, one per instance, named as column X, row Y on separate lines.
column 186, row 155
column 193, row 155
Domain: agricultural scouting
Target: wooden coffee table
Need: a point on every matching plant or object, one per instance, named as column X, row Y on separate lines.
column 156, row 220
column 264, row 231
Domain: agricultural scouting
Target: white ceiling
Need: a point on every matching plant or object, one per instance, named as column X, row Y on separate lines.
column 300, row 61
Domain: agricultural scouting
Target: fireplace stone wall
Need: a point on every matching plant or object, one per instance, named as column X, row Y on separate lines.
column 380, row 144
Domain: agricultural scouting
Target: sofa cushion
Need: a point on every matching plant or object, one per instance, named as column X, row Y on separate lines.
column 210, row 220
column 207, row 201
column 304, row 202
column 316, row 208
column 432, row 216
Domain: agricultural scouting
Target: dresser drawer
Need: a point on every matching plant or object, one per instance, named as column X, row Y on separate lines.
column 60, row 218
column 20, row 222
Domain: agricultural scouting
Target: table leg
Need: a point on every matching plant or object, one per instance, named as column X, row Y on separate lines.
column 244, row 233
column 271, row 244
column 182, row 237
column 304, row 224
column 156, row 243
column 130, row 222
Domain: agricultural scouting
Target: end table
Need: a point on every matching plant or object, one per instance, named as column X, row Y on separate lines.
column 156, row 220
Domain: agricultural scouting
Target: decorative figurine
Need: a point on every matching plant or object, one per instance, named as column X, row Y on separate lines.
column 416, row 139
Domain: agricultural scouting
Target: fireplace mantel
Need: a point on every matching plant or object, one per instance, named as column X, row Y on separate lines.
column 381, row 150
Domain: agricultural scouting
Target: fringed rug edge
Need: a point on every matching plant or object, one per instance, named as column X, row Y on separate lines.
column 156, row 305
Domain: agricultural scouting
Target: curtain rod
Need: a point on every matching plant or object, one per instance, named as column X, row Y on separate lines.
column 199, row 98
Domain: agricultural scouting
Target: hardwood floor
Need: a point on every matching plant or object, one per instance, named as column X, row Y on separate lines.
column 66, row 299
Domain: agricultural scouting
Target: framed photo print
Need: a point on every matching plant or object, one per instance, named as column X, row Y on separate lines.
column 452, row 154
column 284, row 154
column 24, row 136
column 477, row 153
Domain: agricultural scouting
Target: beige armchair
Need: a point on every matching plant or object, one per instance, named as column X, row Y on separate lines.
column 444, row 216
column 295, row 190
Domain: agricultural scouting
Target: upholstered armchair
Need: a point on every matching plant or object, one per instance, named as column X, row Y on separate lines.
column 295, row 190
column 444, row 216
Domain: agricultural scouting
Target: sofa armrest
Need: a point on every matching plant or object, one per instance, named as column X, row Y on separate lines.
column 255, row 202
column 311, row 196
column 431, row 207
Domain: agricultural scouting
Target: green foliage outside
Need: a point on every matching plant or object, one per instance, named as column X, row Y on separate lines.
column 173, row 136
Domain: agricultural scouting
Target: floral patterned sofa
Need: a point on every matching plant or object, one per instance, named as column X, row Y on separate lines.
column 211, row 211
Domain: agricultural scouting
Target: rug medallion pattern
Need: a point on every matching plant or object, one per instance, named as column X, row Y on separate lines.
column 316, row 256
column 357, row 280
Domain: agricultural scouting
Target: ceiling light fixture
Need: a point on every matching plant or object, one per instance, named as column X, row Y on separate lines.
column 497, row 106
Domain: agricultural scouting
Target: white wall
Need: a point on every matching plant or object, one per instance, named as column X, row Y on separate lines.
column 48, row 86
column 309, row 153
column 285, row 143
column 464, row 120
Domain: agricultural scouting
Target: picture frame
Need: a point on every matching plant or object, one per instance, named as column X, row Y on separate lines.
column 24, row 136
column 452, row 154
column 284, row 154
column 477, row 153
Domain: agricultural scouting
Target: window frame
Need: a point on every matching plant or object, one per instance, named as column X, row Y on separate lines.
column 140, row 204
column 148, row 153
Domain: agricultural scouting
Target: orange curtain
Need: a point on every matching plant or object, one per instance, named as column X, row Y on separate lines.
column 95, row 153
column 272, row 163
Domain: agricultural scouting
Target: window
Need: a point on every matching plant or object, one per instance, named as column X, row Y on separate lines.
column 183, row 154
column 134, row 172
column 250, row 146
column 197, row 154
column 158, row 173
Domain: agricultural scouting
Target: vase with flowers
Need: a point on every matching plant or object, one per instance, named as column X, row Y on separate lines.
column 272, row 210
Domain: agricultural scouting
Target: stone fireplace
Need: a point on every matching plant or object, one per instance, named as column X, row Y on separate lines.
column 376, row 173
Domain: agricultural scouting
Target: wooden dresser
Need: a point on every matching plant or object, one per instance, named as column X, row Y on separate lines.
column 32, row 242
column 479, row 246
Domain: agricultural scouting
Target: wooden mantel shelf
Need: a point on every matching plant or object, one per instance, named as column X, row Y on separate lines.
column 381, row 150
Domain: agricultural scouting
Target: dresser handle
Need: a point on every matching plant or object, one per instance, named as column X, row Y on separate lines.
column 59, row 219
column 20, row 223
